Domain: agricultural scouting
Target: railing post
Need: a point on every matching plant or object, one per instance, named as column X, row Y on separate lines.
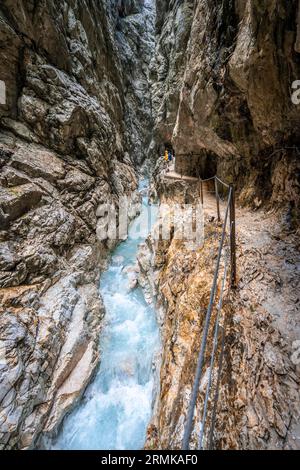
column 201, row 357
column 201, row 190
column 218, row 200
column 232, row 239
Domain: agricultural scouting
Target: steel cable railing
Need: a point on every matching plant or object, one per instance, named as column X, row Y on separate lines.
column 212, row 360
column 220, row 364
column 222, row 182
column 190, row 416
column 218, row 328
column 229, row 215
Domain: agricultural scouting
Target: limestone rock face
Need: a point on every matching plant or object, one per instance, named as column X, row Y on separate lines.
column 135, row 34
column 259, row 397
column 222, row 81
column 222, row 90
column 69, row 134
column 173, row 23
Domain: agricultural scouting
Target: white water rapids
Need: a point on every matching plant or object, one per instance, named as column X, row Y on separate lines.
column 116, row 407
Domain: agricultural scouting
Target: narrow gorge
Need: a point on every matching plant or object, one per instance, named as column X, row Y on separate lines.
column 156, row 103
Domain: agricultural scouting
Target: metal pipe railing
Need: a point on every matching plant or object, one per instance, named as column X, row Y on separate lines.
column 217, row 200
column 212, row 359
column 229, row 214
column 200, row 362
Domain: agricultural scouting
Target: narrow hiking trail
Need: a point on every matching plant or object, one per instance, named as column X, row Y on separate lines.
column 265, row 324
column 269, row 265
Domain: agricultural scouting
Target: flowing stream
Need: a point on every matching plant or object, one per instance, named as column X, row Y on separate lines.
column 116, row 407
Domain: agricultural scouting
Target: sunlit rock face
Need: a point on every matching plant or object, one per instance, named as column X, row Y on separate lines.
column 66, row 146
column 223, row 75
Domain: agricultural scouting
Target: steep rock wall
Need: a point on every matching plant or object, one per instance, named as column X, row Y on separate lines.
column 65, row 148
column 231, row 106
column 234, row 108
column 173, row 23
column 135, row 41
column 259, row 399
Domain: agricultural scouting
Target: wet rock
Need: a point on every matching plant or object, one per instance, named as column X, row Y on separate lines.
column 8, row 256
column 69, row 134
column 39, row 163
column 211, row 88
column 133, row 283
column 12, row 177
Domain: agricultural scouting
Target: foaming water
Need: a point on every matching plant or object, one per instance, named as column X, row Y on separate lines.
column 116, row 407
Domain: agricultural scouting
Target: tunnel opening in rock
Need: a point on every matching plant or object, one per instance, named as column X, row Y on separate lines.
column 202, row 164
column 211, row 165
column 168, row 147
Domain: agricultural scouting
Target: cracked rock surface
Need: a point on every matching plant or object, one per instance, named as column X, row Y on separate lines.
column 70, row 134
column 222, row 78
column 259, row 400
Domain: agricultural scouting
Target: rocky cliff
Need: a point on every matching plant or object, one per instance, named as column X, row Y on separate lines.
column 259, row 400
column 70, row 132
column 222, row 80
column 87, row 92
column 173, row 23
column 135, row 38
column 222, row 83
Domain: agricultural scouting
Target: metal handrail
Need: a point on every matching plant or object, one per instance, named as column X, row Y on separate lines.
column 222, row 182
column 230, row 212
column 212, row 360
column 200, row 362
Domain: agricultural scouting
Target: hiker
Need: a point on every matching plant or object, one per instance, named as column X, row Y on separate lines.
column 166, row 155
column 170, row 156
